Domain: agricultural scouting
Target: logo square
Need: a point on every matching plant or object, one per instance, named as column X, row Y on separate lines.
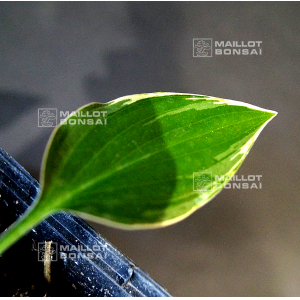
column 53, row 251
column 202, row 47
column 202, row 181
column 47, row 117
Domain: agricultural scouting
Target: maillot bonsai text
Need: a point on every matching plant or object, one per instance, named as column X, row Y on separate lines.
column 83, row 118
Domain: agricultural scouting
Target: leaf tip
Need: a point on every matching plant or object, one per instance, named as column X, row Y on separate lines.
column 270, row 114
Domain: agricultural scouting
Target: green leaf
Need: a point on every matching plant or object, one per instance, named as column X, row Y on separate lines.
column 136, row 170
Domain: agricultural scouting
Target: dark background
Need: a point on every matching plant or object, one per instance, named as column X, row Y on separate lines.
column 66, row 54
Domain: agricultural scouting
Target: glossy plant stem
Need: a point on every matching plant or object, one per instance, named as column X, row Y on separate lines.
column 33, row 216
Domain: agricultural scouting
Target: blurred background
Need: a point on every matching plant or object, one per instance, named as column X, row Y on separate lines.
column 66, row 54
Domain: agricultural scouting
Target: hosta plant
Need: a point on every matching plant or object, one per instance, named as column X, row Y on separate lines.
column 130, row 163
